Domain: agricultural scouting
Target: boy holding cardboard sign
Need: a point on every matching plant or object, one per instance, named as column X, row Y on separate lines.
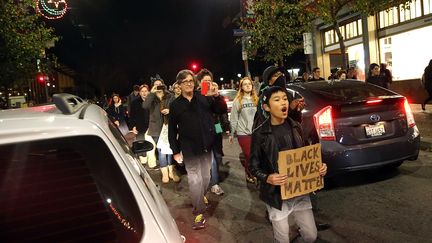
column 280, row 133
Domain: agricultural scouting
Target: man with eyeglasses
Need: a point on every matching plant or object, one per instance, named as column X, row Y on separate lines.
column 191, row 134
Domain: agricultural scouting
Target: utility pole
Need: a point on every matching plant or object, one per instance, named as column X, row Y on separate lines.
column 245, row 56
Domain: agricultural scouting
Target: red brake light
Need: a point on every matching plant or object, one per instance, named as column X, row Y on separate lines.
column 409, row 114
column 323, row 120
column 374, row 101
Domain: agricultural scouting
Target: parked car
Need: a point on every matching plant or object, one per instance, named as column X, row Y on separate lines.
column 67, row 174
column 229, row 95
column 359, row 125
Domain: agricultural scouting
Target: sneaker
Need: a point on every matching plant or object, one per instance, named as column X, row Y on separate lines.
column 251, row 179
column 216, row 189
column 199, row 222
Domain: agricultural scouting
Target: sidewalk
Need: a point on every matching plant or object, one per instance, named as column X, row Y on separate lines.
column 424, row 123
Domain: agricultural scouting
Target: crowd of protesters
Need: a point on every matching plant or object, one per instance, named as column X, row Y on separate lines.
column 187, row 122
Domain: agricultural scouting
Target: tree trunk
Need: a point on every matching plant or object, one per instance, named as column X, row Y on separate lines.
column 341, row 45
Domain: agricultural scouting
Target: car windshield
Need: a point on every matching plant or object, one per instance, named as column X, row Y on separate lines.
column 344, row 91
column 230, row 94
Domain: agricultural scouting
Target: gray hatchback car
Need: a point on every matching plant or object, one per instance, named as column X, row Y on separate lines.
column 359, row 125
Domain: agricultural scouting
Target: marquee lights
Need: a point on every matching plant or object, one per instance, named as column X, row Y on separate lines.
column 51, row 9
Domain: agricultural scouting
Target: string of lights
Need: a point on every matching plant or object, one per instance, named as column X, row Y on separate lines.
column 51, row 9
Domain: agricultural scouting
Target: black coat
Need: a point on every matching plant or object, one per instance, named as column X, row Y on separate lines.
column 377, row 80
column 117, row 113
column 264, row 159
column 139, row 116
column 428, row 79
column 191, row 128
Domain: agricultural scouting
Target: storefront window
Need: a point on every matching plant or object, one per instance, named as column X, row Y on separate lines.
column 356, row 60
column 404, row 12
column 407, row 61
column 427, row 6
column 388, row 17
column 348, row 31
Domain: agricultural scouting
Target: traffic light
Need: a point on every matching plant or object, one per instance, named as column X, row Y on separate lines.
column 41, row 79
column 194, row 67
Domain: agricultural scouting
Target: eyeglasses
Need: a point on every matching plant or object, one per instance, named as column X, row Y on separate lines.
column 187, row 82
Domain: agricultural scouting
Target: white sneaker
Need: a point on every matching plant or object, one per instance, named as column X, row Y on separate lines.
column 216, row 189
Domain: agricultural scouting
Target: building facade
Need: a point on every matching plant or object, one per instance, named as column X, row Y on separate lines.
column 399, row 37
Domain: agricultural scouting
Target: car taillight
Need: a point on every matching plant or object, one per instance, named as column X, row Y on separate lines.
column 324, row 124
column 409, row 114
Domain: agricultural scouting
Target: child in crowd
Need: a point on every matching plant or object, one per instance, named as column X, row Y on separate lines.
column 278, row 133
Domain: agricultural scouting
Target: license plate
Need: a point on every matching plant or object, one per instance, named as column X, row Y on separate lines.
column 374, row 130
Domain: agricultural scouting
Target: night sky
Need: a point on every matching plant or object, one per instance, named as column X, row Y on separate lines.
column 115, row 44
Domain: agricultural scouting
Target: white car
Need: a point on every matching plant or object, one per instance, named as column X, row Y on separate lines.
column 229, row 96
column 67, row 174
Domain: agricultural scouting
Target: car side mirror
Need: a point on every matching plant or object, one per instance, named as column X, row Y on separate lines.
column 141, row 146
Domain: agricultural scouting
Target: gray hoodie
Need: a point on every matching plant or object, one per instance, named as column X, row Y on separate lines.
column 242, row 119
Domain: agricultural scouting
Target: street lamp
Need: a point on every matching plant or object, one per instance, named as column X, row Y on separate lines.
column 239, row 75
column 221, row 79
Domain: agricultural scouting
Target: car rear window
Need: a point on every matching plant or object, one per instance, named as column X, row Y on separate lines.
column 230, row 94
column 67, row 189
column 344, row 91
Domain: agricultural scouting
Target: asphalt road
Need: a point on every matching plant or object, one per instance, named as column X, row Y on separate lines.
column 374, row 206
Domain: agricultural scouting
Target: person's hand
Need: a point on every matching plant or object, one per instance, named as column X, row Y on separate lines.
column 178, row 157
column 212, row 91
column 134, row 130
column 298, row 104
column 154, row 89
column 117, row 123
column 165, row 111
column 323, row 169
column 231, row 139
column 277, row 179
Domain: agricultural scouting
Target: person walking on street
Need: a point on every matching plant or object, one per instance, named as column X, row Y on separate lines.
column 374, row 76
column 427, row 80
column 157, row 102
column 279, row 133
column 386, row 75
column 222, row 126
column 139, row 118
column 242, row 117
column 117, row 113
column 133, row 96
column 191, row 133
column 273, row 76
column 205, row 78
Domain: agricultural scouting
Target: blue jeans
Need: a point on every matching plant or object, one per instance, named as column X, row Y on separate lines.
column 164, row 159
column 214, row 171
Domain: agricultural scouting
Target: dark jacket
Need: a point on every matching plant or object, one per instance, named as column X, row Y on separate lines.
column 156, row 118
column 117, row 113
column 428, row 79
column 264, row 159
column 130, row 100
column 377, row 80
column 139, row 117
column 191, row 128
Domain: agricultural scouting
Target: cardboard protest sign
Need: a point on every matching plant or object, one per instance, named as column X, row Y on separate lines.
column 302, row 167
